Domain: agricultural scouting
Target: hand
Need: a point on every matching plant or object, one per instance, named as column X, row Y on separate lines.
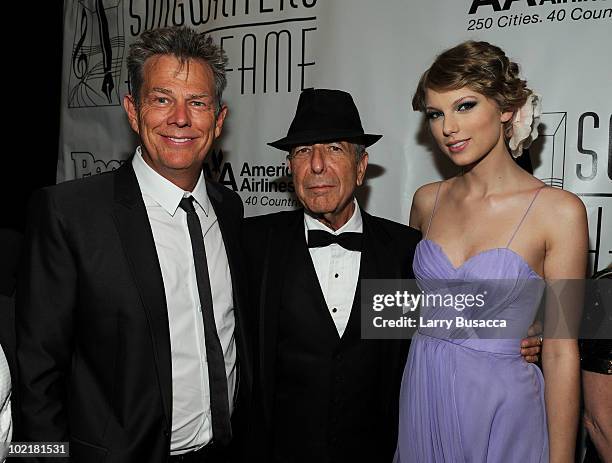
column 531, row 347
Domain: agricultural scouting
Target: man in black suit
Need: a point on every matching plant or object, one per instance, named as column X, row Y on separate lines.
column 322, row 393
column 131, row 343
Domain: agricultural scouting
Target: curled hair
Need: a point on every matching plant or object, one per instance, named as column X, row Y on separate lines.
column 482, row 67
column 184, row 44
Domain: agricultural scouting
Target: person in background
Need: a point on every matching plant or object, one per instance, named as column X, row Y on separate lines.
column 6, row 423
column 10, row 248
column 596, row 363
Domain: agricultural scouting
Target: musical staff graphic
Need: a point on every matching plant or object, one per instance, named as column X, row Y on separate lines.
column 97, row 54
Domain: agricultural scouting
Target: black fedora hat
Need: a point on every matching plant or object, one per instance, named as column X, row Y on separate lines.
column 324, row 115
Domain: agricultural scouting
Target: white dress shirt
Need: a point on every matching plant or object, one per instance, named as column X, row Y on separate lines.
column 337, row 268
column 6, row 425
column 191, row 414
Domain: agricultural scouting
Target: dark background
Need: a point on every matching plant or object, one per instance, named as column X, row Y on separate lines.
column 32, row 76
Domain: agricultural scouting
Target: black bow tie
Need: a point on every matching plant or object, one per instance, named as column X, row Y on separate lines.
column 351, row 241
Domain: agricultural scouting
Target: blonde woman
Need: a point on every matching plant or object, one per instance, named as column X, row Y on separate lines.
column 475, row 400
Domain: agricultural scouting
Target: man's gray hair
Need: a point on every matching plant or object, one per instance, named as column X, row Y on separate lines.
column 359, row 150
column 183, row 43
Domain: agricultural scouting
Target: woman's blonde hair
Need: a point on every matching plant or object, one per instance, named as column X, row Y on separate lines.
column 482, row 67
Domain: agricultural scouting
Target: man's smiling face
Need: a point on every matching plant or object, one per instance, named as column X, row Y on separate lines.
column 176, row 117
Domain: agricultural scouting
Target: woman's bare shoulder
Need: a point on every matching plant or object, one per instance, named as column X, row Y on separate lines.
column 562, row 218
column 423, row 202
column 560, row 205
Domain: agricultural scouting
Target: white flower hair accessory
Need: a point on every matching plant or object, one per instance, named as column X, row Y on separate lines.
column 525, row 125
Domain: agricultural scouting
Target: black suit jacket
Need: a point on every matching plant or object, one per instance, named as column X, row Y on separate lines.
column 92, row 324
column 388, row 253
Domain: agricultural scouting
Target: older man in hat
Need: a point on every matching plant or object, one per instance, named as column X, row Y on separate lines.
column 324, row 394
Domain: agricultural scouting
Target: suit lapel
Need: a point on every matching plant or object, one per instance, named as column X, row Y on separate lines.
column 137, row 238
column 380, row 260
column 230, row 230
column 277, row 246
column 380, row 256
column 229, row 227
column 376, row 262
column 310, row 280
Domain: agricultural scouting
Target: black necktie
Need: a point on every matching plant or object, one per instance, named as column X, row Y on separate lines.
column 351, row 241
column 219, row 405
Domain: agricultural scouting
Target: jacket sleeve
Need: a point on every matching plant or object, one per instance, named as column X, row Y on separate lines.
column 46, row 297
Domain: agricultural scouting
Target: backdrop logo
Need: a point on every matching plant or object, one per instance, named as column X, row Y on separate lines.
column 86, row 165
column 251, row 178
column 548, row 151
column 504, row 5
column 269, row 44
column 97, row 54
column 220, row 171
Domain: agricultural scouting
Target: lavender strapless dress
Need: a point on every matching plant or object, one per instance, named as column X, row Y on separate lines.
column 469, row 399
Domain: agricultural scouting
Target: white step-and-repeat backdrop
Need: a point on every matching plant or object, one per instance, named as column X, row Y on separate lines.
column 376, row 50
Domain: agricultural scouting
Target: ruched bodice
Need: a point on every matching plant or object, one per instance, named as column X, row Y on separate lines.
column 511, row 291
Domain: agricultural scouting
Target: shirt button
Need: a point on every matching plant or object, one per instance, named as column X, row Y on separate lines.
column 334, row 310
column 336, row 275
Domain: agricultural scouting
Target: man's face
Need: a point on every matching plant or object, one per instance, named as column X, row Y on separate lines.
column 325, row 176
column 176, row 117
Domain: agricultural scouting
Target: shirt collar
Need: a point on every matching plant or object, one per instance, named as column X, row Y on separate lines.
column 354, row 224
column 163, row 191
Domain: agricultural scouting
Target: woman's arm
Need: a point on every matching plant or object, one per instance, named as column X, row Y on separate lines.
column 565, row 259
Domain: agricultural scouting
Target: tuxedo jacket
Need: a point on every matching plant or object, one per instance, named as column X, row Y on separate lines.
column 93, row 337
column 279, row 263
